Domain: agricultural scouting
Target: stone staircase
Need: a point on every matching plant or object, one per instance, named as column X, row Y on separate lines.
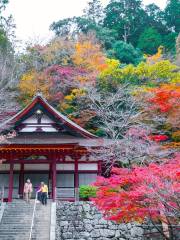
column 16, row 221
column 41, row 230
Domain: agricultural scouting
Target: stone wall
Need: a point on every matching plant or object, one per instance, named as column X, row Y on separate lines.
column 81, row 220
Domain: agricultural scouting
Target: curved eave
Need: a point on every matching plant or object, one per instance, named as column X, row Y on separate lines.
column 53, row 111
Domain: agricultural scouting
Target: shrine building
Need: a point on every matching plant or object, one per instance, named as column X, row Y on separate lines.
column 47, row 147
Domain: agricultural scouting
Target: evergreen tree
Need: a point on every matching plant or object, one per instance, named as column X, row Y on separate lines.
column 155, row 18
column 126, row 17
column 125, row 52
column 149, row 41
column 172, row 13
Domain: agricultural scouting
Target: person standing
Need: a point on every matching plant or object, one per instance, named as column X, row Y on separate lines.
column 44, row 193
column 28, row 189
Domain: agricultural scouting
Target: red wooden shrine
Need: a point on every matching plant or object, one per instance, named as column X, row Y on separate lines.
column 47, row 147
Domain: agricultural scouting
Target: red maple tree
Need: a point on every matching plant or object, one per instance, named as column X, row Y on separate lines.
column 141, row 192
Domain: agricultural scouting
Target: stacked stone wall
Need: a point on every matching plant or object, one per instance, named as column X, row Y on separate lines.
column 81, row 220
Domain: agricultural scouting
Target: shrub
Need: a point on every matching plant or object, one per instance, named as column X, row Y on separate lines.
column 87, row 191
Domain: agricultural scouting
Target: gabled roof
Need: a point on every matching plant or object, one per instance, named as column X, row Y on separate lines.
column 40, row 100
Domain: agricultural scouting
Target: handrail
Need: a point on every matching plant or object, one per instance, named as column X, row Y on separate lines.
column 33, row 216
column 2, row 194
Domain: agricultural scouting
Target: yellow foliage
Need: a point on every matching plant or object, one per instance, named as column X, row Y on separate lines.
column 176, row 136
column 111, row 66
column 69, row 97
column 156, row 57
column 159, row 72
column 31, row 82
column 64, row 106
column 74, row 94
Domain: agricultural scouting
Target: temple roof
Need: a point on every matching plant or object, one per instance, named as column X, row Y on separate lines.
column 54, row 139
column 39, row 116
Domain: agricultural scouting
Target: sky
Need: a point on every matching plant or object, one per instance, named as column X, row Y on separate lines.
column 33, row 17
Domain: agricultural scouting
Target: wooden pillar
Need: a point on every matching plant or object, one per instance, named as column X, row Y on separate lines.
column 99, row 167
column 21, row 180
column 50, row 179
column 10, row 183
column 76, row 179
column 54, row 180
column 76, row 175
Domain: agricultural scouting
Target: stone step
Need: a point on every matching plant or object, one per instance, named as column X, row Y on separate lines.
column 16, row 221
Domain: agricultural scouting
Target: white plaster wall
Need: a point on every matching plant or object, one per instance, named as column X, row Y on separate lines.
column 4, row 167
column 17, row 167
column 87, row 166
column 33, row 119
column 48, row 129
column 28, row 129
column 33, row 128
column 65, row 166
column 36, row 166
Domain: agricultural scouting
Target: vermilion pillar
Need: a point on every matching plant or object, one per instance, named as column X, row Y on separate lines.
column 76, row 176
column 21, row 180
column 54, row 180
column 76, row 179
column 99, row 168
column 10, row 183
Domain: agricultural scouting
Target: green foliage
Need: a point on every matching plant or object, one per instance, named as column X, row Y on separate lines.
column 125, row 53
column 118, row 16
column 149, row 41
column 176, row 136
column 3, row 23
column 169, row 42
column 3, row 39
column 155, row 18
column 126, row 20
column 106, row 36
column 87, row 191
column 172, row 18
column 100, row 132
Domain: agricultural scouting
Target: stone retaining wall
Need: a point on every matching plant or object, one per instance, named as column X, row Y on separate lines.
column 81, row 220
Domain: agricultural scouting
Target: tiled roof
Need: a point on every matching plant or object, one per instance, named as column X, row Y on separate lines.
column 40, row 99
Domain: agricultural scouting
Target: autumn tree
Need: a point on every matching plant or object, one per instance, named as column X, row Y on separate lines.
column 88, row 53
column 143, row 194
column 119, row 118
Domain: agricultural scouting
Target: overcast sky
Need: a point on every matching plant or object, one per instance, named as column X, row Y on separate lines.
column 33, row 17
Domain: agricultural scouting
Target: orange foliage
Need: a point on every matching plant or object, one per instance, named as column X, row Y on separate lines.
column 156, row 57
column 166, row 100
column 88, row 54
